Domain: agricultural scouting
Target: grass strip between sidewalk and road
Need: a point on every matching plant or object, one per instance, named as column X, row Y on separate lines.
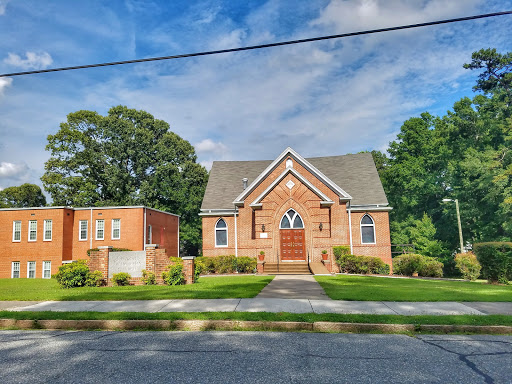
column 372, row 288
column 264, row 316
column 244, row 321
column 215, row 287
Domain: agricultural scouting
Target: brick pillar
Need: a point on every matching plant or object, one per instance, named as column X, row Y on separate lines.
column 260, row 267
column 188, row 269
column 98, row 260
column 150, row 257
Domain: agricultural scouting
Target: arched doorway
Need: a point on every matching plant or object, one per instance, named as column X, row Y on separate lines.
column 291, row 231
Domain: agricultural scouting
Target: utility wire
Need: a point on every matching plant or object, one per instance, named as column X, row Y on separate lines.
column 207, row 53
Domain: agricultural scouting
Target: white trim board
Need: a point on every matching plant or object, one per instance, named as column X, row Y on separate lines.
column 306, row 164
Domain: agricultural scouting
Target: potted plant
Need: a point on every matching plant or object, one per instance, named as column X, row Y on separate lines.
column 261, row 256
column 325, row 256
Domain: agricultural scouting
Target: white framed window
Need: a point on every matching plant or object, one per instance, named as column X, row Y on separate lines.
column 83, row 229
column 32, row 230
column 150, row 235
column 116, row 229
column 221, row 233
column 47, row 269
column 31, row 270
column 367, row 230
column 47, row 230
column 291, row 220
column 15, row 270
column 100, row 229
column 16, row 231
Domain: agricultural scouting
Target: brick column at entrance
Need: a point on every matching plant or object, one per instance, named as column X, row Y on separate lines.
column 260, row 267
column 188, row 269
column 98, row 260
column 150, row 257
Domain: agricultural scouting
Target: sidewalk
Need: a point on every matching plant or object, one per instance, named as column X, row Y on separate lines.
column 269, row 305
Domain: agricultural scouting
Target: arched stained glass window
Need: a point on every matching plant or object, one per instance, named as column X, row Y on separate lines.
column 291, row 220
column 221, row 233
column 367, row 230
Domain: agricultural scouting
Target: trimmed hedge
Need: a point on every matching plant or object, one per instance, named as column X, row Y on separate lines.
column 414, row 263
column 148, row 277
column 340, row 250
column 496, row 261
column 77, row 274
column 225, row 264
column 468, row 265
column 174, row 274
column 121, row 279
column 361, row 264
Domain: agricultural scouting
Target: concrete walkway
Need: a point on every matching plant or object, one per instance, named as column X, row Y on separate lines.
column 293, row 287
column 269, row 305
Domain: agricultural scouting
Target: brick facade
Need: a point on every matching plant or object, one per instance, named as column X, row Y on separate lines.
column 333, row 218
column 66, row 243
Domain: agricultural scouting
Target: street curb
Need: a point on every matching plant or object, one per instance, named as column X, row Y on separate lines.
column 233, row 325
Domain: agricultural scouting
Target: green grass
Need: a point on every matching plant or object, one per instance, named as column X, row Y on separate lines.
column 370, row 288
column 221, row 287
column 264, row 316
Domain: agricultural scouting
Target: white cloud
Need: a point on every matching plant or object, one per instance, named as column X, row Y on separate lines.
column 3, row 6
column 9, row 170
column 208, row 145
column 33, row 60
column 4, row 83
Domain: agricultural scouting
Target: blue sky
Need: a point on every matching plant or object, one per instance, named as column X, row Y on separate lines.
column 322, row 98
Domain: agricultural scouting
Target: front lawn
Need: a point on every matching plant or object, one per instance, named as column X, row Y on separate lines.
column 221, row 287
column 371, row 288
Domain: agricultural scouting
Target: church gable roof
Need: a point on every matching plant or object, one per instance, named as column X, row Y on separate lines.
column 354, row 175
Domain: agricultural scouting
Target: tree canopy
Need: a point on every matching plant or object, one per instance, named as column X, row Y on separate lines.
column 126, row 158
column 464, row 155
column 26, row 195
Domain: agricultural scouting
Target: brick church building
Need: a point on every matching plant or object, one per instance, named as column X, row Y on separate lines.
column 292, row 208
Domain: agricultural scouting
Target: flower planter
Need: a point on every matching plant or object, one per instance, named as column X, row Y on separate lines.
column 325, row 256
column 261, row 257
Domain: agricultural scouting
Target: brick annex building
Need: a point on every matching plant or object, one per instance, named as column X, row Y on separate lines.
column 293, row 208
column 36, row 241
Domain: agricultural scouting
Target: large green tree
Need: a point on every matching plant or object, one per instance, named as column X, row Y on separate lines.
column 464, row 155
column 126, row 158
column 26, row 195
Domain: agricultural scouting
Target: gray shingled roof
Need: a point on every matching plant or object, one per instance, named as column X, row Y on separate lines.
column 356, row 174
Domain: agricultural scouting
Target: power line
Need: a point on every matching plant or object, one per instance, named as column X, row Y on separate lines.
column 207, row 53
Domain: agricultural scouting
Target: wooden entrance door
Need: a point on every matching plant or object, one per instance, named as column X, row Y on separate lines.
column 293, row 245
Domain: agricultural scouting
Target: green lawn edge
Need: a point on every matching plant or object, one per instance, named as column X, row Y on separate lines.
column 214, row 287
column 478, row 320
column 374, row 288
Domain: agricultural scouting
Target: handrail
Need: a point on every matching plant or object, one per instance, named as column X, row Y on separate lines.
column 277, row 261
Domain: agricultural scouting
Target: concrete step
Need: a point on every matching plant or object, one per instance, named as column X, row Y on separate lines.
column 287, row 269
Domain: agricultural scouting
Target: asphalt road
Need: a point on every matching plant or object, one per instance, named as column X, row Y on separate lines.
column 251, row 357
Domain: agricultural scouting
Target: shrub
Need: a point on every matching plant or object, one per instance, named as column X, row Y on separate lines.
column 496, row 261
column 340, row 250
column 94, row 279
column 121, row 279
column 73, row 274
column 468, row 265
column 148, row 277
column 174, row 274
column 422, row 265
column 245, row 264
column 225, row 264
column 362, row 264
column 205, row 265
